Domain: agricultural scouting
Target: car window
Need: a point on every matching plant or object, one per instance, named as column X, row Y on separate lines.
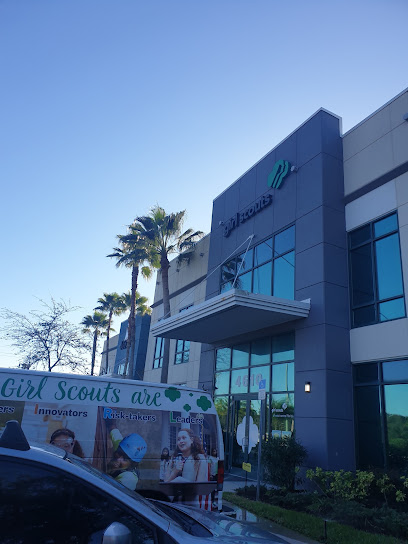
column 41, row 505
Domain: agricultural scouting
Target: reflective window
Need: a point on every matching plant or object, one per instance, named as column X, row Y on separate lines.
column 244, row 261
column 240, row 355
column 396, row 410
column 369, row 434
column 284, row 241
column 222, row 383
column 284, row 276
column 262, row 280
column 283, row 377
column 263, row 252
column 223, row 359
column 158, row 353
column 261, row 351
column 366, row 373
column 239, row 381
column 283, row 348
column 244, row 282
column 256, row 375
column 377, row 292
column 182, row 352
column 395, row 371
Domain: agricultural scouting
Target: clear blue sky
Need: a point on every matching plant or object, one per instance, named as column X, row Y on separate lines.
column 111, row 106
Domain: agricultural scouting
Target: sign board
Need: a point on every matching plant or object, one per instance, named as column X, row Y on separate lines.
column 262, row 384
column 261, row 394
column 247, row 467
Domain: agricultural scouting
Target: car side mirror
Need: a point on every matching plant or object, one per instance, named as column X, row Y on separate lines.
column 117, row 533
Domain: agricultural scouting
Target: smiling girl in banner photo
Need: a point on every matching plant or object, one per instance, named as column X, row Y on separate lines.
column 189, row 463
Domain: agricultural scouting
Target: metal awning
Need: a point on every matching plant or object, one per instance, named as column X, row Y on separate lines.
column 228, row 315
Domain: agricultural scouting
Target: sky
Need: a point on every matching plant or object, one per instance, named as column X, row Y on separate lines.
column 109, row 107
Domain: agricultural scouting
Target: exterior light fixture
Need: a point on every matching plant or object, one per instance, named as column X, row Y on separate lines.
column 308, row 387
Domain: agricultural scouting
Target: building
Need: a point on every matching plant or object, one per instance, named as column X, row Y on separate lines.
column 305, row 296
column 118, row 348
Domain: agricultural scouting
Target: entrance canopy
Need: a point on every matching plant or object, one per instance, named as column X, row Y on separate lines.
column 230, row 314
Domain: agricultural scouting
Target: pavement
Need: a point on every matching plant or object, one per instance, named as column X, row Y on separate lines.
column 292, row 537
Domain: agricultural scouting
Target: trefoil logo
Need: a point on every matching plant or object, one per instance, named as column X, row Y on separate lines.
column 279, row 172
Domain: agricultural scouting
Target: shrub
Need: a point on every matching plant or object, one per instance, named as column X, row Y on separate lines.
column 281, row 459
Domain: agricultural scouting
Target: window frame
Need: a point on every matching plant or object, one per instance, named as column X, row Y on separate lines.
column 185, row 352
column 377, row 301
column 158, row 361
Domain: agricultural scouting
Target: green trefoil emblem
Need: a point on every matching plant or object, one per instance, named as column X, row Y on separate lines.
column 279, row 172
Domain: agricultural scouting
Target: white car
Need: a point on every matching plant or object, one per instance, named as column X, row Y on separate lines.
column 48, row 496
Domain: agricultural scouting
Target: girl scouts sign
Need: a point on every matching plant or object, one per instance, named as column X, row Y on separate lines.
column 275, row 179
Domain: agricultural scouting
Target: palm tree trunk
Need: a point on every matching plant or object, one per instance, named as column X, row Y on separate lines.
column 165, row 265
column 131, row 323
column 95, row 339
column 107, row 341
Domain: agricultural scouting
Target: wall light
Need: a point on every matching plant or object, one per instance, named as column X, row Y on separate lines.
column 308, row 387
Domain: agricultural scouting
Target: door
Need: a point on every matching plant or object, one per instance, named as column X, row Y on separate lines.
column 243, row 434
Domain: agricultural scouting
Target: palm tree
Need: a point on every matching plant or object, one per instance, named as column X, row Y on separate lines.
column 164, row 234
column 142, row 308
column 112, row 304
column 133, row 253
column 95, row 323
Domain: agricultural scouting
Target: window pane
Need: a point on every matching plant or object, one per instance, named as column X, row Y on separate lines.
column 261, row 351
column 360, row 236
column 222, row 383
column 283, row 405
column 284, row 276
column 222, row 360
column 393, row 309
column 244, row 282
column 366, row 373
column 396, row 408
column 228, row 271
column 369, row 441
column 158, row 350
column 226, row 287
column 364, row 316
column 384, row 226
column 186, row 356
column 179, row 345
column 240, row 355
column 362, row 276
column 239, row 381
column 256, row 375
column 283, row 348
column 179, row 358
column 283, row 377
column 263, row 252
column 244, row 261
column 285, row 241
column 263, row 279
column 388, row 262
column 395, row 370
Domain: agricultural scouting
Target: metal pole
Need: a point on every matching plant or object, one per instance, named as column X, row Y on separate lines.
column 258, row 482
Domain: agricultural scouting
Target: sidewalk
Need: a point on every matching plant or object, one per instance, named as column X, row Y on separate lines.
column 243, row 515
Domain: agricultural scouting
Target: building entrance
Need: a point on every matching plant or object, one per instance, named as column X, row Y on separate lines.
column 243, row 435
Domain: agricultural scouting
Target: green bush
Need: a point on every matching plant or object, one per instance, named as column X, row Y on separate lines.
column 281, row 459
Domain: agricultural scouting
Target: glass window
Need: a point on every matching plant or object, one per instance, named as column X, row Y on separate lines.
column 283, row 348
column 158, row 353
column 244, row 261
column 239, row 381
column 261, row 351
column 59, row 508
column 263, row 252
column 240, row 355
column 385, row 226
column 362, row 275
column 257, row 374
column 228, row 271
column 396, row 410
column 369, row 438
column 366, row 373
column 392, row 309
column 244, row 282
column 284, row 241
column 182, row 351
column 376, row 273
column 226, row 287
column 283, row 377
column 284, row 276
column 388, row 261
column 360, row 236
column 395, row 371
column 223, row 359
column 222, row 383
column 262, row 280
